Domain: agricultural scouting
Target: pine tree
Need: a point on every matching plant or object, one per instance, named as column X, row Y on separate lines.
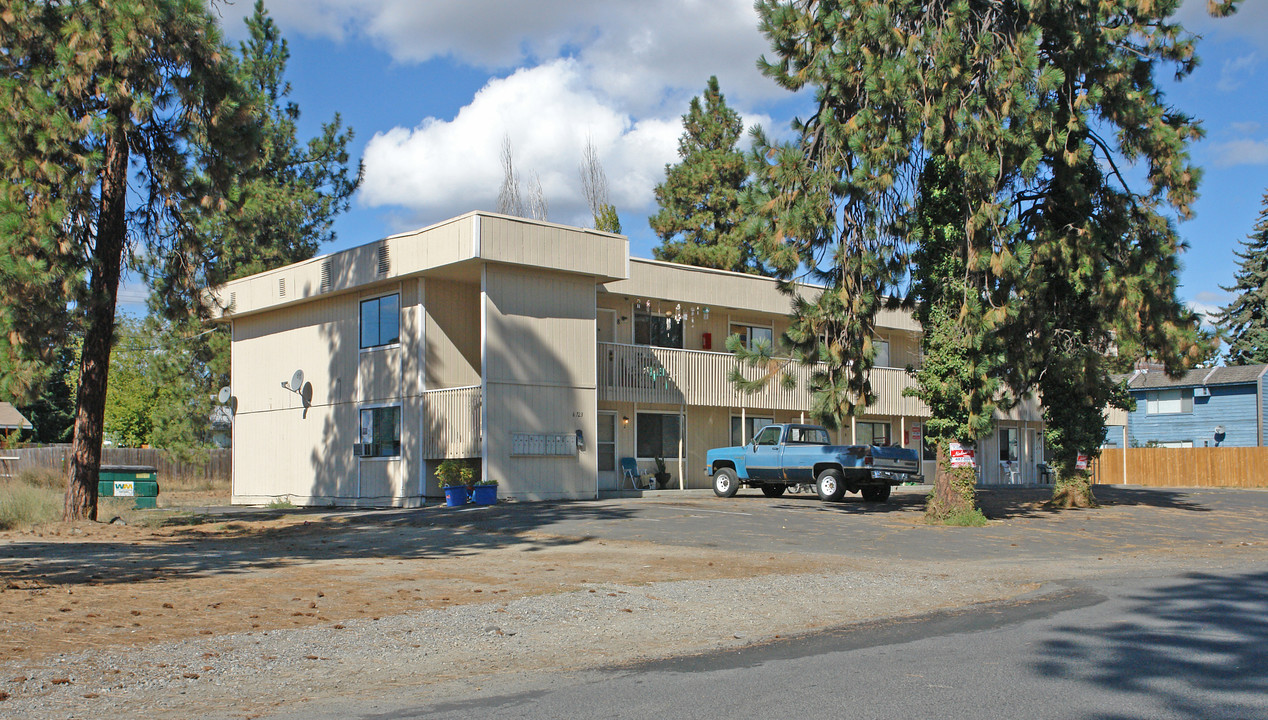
column 958, row 378
column 284, row 202
column 1245, row 319
column 699, row 219
column 120, row 123
column 1028, row 102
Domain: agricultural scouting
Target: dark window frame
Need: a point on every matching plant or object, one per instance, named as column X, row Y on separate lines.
column 383, row 438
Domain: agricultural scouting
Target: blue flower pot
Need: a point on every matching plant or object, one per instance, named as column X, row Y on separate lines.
column 456, row 496
column 484, row 494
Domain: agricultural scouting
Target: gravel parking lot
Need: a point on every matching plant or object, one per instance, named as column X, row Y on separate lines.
column 256, row 613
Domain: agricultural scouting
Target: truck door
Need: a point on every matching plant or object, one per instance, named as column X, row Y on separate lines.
column 762, row 456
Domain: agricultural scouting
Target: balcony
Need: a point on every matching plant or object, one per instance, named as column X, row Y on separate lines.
column 451, row 423
column 643, row 374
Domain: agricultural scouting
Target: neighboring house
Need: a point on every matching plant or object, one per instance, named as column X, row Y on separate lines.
column 12, row 421
column 543, row 351
column 1207, row 407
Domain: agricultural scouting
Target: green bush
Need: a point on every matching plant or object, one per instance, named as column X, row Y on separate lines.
column 453, row 473
column 23, row 505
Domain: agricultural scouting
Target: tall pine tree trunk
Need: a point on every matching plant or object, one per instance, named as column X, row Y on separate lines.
column 954, row 489
column 90, row 404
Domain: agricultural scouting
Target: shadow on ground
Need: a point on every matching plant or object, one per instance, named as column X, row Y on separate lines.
column 238, row 541
column 1177, row 645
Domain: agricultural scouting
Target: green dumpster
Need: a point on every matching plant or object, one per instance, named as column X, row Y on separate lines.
column 139, row 482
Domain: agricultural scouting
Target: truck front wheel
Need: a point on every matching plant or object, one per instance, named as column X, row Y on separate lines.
column 725, row 482
column 876, row 493
column 829, row 486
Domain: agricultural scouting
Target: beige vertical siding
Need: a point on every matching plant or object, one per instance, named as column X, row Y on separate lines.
column 451, row 423
column 540, row 327
column 540, row 378
column 541, row 245
column 453, row 333
column 284, row 450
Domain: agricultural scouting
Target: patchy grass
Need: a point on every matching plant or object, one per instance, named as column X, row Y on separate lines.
column 22, row 505
column 281, row 504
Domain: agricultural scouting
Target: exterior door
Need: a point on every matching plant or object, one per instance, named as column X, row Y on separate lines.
column 609, row 473
column 762, row 456
column 605, row 325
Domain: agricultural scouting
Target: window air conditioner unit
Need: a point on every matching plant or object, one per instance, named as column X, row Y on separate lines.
column 361, row 449
column 1201, row 392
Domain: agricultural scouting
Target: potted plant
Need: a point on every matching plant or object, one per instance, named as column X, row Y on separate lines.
column 455, row 476
column 662, row 475
column 485, row 492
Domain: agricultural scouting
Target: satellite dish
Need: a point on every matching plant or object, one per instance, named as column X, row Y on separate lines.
column 1219, row 429
column 224, row 395
column 297, row 380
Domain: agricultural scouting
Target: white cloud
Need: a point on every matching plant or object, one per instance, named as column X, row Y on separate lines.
column 1249, row 127
column 1241, row 152
column 1235, row 71
column 445, row 167
column 1249, row 22
column 643, row 51
column 1207, row 303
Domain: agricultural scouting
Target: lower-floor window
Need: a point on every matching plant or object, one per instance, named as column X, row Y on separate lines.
column 745, row 429
column 381, row 432
column 658, row 435
column 1008, row 445
column 871, row 433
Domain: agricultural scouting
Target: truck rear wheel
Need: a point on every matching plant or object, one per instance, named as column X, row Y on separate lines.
column 829, row 486
column 725, row 482
column 876, row 493
column 773, row 490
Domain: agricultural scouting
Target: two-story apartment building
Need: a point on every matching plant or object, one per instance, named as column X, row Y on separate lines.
column 542, row 351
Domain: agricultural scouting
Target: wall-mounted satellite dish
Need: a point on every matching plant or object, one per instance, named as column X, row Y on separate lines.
column 297, row 380
column 224, row 395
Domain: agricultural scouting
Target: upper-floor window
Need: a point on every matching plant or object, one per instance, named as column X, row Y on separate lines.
column 380, row 321
column 657, row 330
column 882, row 353
column 751, row 336
column 1168, row 402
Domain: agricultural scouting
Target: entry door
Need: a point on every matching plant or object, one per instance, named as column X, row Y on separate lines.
column 609, row 475
column 605, row 325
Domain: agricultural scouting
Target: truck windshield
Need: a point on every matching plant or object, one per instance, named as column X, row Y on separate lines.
column 807, row 436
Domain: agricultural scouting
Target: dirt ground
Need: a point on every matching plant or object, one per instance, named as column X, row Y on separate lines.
column 116, row 584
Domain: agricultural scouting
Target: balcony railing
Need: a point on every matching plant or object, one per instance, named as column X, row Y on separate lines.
column 451, row 423
column 643, row 374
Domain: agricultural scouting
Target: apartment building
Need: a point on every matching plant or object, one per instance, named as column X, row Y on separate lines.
column 542, row 351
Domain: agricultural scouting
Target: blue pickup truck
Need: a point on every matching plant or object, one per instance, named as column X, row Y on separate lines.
column 787, row 455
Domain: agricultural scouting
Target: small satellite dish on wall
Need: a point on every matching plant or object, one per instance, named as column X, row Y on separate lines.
column 224, row 395
column 1219, row 429
column 297, row 380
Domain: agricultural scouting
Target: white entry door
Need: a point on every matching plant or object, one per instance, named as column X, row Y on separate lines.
column 609, row 474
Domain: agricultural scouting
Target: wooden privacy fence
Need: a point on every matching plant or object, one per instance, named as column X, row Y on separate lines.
column 1184, row 467
column 217, row 465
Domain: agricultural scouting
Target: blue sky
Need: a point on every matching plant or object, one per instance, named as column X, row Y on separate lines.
column 432, row 88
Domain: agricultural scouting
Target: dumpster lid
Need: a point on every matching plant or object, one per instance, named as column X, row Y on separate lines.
column 129, row 468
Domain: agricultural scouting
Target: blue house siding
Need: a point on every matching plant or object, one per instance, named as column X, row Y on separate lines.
column 1233, row 406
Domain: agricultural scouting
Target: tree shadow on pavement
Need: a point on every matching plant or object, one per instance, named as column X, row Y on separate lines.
column 238, row 541
column 1177, row 646
column 1008, row 503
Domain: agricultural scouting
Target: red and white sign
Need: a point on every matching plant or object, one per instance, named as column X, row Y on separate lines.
column 1081, row 463
column 961, row 455
column 913, row 439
